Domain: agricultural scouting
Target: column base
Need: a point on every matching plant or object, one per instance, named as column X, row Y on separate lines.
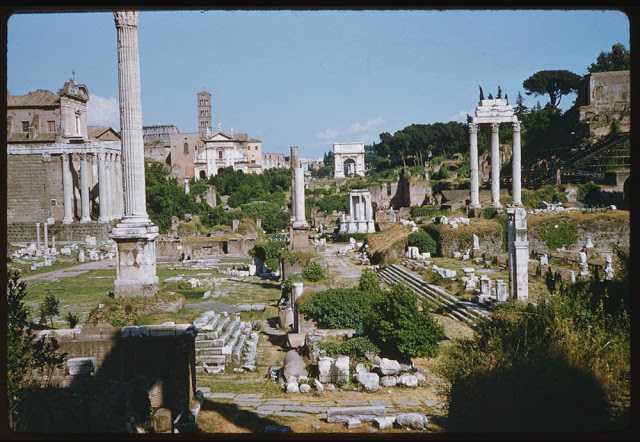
column 496, row 204
column 103, row 220
column 516, row 203
column 67, row 221
column 85, row 220
column 298, row 239
column 137, row 288
column 475, row 206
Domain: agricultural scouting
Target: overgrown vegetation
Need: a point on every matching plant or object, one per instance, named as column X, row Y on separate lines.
column 556, row 233
column 569, row 356
column 550, row 194
column 24, row 351
column 358, row 346
column 398, row 328
column 339, row 308
column 314, row 272
column 423, row 241
column 269, row 253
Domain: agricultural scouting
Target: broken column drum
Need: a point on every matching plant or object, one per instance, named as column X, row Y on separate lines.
column 494, row 112
column 518, row 247
column 135, row 234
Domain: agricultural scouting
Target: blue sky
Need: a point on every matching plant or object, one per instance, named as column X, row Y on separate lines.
column 309, row 78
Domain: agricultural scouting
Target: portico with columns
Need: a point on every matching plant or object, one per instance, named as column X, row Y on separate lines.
column 494, row 112
column 360, row 219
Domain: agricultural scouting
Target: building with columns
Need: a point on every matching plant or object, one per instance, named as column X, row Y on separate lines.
column 360, row 219
column 494, row 112
column 56, row 163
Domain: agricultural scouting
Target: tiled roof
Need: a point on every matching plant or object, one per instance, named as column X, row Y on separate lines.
column 23, row 137
column 38, row 98
column 455, row 195
column 96, row 132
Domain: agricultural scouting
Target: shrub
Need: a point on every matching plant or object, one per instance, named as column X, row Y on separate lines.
column 339, row 308
column 358, row 346
column 558, row 233
column 369, row 282
column 71, row 319
column 395, row 324
column 314, row 272
column 588, row 191
column 489, row 213
column 423, row 241
column 269, row 253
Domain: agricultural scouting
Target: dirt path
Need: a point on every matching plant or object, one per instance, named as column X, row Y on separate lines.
column 73, row 271
column 344, row 266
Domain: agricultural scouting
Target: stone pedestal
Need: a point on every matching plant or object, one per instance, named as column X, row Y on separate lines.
column 299, row 239
column 135, row 260
column 518, row 246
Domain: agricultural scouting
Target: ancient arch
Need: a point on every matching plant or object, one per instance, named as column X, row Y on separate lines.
column 342, row 152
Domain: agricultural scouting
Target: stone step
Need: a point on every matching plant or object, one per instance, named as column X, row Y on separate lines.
column 209, row 351
column 204, row 344
column 236, row 353
column 224, row 337
column 221, row 325
column 212, row 360
column 206, row 336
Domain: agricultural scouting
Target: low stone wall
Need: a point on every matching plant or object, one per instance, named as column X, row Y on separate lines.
column 171, row 250
column 26, row 232
column 159, row 359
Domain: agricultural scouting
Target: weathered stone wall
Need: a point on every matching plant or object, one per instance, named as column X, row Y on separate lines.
column 139, row 358
column 415, row 192
column 181, row 161
column 35, row 181
column 26, row 232
column 239, row 246
column 171, row 250
column 607, row 96
column 157, row 152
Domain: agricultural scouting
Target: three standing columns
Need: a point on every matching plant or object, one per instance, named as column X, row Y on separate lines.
column 495, row 166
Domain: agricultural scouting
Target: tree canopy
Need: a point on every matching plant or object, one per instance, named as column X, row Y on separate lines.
column 619, row 59
column 552, row 83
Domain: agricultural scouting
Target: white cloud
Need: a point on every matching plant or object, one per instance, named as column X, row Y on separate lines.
column 103, row 111
column 460, row 117
column 359, row 127
column 327, row 134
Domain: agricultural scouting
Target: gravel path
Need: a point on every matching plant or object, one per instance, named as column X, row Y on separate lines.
column 73, row 271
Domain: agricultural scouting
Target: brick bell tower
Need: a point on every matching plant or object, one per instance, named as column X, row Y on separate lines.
column 204, row 113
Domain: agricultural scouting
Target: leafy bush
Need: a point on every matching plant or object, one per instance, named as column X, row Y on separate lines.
column 550, row 194
column 329, row 203
column 71, row 319
column 369, row 282
column 358, row 346
column 489, row 213
column 269, row 253
column 314, row 272
column 587, row 191
column 423, row 241
column 339, row 308
column 395, row 324
column 122, row 318
column 558, row 233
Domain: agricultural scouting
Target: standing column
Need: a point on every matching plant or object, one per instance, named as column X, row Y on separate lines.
column 294, row 166
column 46, row 237
column 37, row 236
column 495, row 165
column 84, row 190
column 301, row 218
column 102, row 188
column 118, row 188
column 67, row 189
column 473, row 167
column 135, row 206
column 516, row 171
column 135, row 235
column 109, row 194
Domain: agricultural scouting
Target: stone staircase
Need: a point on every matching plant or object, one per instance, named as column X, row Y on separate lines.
column 221, row 339
column 463, row 311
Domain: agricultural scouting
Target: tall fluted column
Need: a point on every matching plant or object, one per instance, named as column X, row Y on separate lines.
column 67, row 189
column 495, row 165
column 135, row 209
column 473, row 167
column 102, row 188
column 110, row 188
column 516, row 164
column 84, row 189
column 135, row 235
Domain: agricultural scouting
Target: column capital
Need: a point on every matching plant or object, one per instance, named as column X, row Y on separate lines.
column 495, row 127
column 473, row 128
column 126, row 18
column 516, row 126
